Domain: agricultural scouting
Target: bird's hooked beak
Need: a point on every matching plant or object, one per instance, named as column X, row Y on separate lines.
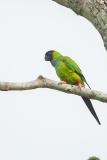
column 48, row 55
column 47, row 58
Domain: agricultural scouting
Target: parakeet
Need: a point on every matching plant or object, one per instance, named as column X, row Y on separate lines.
column 69, row 72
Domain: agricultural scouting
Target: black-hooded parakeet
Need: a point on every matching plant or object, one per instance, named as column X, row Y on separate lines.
column 69, row 72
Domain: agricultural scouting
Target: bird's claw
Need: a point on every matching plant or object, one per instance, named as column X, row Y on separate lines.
column 80, row 85
column 62, row 82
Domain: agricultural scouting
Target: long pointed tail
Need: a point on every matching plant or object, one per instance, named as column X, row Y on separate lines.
column 90, row 107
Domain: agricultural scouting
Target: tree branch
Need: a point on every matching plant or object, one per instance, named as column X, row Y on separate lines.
column 93, row 10
column 42, row 82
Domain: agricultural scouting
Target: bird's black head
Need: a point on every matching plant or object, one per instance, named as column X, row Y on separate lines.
column 48, row 55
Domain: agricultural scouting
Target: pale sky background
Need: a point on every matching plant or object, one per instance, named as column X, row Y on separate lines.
column 44, row 124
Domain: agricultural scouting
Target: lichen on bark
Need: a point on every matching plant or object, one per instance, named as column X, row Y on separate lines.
column 93, row 10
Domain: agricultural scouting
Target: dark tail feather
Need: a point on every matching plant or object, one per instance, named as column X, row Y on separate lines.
column 90, row 107
column 87, row 84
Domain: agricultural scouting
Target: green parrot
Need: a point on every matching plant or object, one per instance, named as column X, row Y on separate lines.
column 69, row 72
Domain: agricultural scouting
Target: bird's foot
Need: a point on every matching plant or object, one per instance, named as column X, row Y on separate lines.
column 62, row 82
column 80, row 85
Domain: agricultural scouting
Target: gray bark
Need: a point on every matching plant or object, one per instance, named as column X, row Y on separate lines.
column 93, row 10
column 42, row 82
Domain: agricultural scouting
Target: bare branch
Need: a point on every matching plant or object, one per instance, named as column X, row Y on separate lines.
column 42, row 82
column 93, row 10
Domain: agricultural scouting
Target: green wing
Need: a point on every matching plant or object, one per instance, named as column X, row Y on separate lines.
column 71, row 64
column 74, row 67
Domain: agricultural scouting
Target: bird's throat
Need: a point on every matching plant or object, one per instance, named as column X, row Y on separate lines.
column 55, row 62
